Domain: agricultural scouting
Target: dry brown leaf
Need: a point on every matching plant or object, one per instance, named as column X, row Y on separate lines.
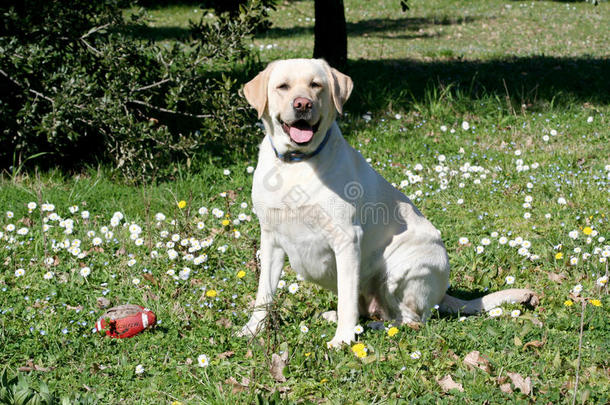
column 452, row 354
column 30, row 366
column 475, row 360
column 120, row 252
column 523, row 384
column 149, row 296
column 231, row 195
column 277, row 367
column 226, row 355
column 248, row 354
column 506, row 388
column 224, row 322
column 76, row 308
column 188, row 361
column 447, row 384
column 558, row 278
column 533, row 343
column 27, row 221
column 103, row 302
column 236, row 386
column 150, row 279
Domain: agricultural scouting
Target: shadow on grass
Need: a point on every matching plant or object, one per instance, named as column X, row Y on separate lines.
column 538, row 81
column 379, row 27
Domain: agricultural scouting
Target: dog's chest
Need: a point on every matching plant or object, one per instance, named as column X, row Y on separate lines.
column 306, row 239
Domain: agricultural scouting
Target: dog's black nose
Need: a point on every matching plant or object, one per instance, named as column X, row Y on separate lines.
column 302, row 104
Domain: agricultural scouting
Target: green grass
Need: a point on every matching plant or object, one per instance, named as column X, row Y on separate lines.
column 440, row 64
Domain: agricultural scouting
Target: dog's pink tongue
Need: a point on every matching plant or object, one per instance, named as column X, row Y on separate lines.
column 301, row 135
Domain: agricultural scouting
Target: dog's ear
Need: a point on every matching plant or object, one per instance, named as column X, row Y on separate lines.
column 255, row 91
column 341, row 86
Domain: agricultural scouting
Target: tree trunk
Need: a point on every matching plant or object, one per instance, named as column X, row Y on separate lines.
column 330, row 33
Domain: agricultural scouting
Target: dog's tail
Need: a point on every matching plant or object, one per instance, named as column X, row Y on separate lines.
column 452, row 305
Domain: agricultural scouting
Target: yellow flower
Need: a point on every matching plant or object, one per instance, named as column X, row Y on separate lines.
column 392, row 331
column 596, row 303
column 358, row 346
column 322, row 381
column 176, row 403
column 181, row 204
column 241, row 274
column 211, row 293
column 359, row 350
column 558, row 256
column 568, row 303
column 587, row 230
column 307, row 354
column 225, row 222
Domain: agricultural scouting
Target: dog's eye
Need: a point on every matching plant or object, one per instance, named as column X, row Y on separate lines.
column 283, row 86
column 315, row 85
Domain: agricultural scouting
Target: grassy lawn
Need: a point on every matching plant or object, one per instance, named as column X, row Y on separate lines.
column 492, row 116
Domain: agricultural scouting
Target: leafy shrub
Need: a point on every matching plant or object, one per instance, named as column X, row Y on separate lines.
column 78, row 86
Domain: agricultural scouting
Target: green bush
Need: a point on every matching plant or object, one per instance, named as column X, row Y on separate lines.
column 77, row 86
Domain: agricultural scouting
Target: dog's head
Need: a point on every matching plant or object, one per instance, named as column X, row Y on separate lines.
column 298, row 100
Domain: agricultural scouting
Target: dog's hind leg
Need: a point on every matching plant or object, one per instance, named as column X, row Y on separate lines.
column 417, row 294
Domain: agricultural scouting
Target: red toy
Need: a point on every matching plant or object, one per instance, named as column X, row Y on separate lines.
column 125, row 321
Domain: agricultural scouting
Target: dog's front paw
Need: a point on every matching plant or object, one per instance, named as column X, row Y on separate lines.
column 249, row 330
column 341, row 339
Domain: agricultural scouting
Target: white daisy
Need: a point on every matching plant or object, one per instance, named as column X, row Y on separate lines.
column 203, row 361
column 85, row 271
column 495, row 312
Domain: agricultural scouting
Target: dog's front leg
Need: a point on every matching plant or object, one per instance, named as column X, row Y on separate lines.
column 348, row 277
column 272, row 262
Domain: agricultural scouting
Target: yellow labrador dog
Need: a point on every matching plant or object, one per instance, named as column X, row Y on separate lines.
column 342, row 225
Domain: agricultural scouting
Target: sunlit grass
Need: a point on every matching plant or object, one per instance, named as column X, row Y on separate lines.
column 519, row 192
